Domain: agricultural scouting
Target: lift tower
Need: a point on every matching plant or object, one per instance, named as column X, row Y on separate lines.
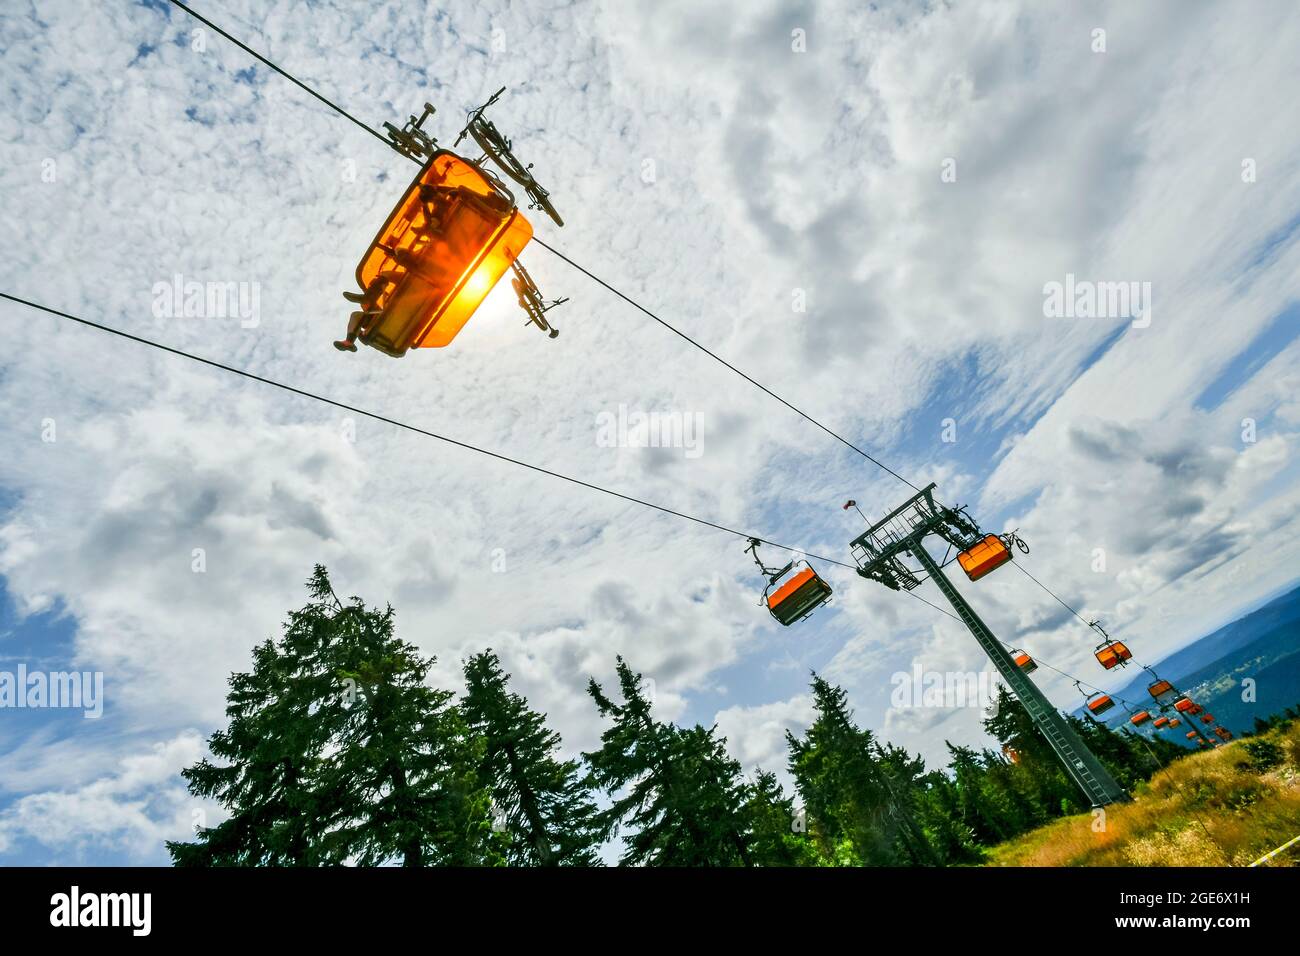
column 878, row 555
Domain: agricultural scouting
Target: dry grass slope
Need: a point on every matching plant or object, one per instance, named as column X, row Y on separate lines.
column 1224, row 807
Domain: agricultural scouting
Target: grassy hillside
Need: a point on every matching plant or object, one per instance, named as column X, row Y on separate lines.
column 1224, row 807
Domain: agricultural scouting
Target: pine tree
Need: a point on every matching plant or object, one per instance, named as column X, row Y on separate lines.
column 710, row 789
column 849, row 792
column 1038, row 784
column 403, row 782
column 273, row 748
column 939, row 813
column 678, row 791
column 779, row 834
column 1037, row 775
column 1000, row 798
column 907, row 781
column 338, row 752
column 1009, row 723
column 542, row 800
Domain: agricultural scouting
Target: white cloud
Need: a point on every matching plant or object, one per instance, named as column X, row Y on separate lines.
column 132, row 811
column 775, row 171
column 756, row 735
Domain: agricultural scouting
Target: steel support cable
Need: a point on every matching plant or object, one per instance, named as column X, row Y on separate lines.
column 1076, row 614
column 316, row 396
column 610, row 288
column 287, row 75
column 397, row 423
column 720, row 360
column 1051, row 592
column 1079, row 681
column 561, row 256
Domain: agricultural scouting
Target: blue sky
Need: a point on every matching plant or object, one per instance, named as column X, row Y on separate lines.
column 719, row 165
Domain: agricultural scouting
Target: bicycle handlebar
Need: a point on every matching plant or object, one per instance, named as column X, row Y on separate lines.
column 476, row 114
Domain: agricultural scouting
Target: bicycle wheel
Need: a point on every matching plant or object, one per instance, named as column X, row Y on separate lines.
column 498, row 150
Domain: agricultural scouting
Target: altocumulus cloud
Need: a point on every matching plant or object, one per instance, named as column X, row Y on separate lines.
column 712, row 170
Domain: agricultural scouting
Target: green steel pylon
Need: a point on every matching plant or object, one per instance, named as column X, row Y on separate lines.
column 903, row 531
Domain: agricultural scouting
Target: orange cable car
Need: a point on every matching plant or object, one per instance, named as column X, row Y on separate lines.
column 1159, row 688
column 794, row 591
column 1113, row 654
column 1024, row 661
column 1175, row 722
column 1223, row 732
column 1101, row 704
column 1160, row 722
column 1207, row 718
column 448, row 241
column 796, row 598
column 451, row 237
column 1187, row 706
column 1140, row 718
column 1097, row 702
column 988, row 554
column 1110, row 653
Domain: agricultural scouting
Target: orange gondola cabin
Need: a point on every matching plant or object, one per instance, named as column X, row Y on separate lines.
column 448, row 241
column 1024, row 661
column 989, row 554
column 1100, row 703
column 1175, row 722
column 1140, row 718
column 793, row 598
column 1187, row 706
column 1223, row 733
column 1160, row 723
column 794, row 591
column 1113, row 654
column 1159, row 688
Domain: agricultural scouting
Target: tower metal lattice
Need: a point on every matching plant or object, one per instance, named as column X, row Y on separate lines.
column 879, row 555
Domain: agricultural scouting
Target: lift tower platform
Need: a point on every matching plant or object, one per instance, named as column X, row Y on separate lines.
column 878, row 554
